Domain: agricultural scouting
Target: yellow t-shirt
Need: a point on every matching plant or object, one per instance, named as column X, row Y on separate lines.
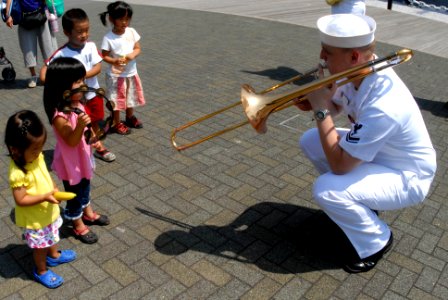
column 37, row 181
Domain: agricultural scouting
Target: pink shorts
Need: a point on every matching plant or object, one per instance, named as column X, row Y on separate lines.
column 95, row 109
column 125, row 92
column 44, row 237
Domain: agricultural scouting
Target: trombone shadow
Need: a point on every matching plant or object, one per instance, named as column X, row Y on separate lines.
column 275, row 237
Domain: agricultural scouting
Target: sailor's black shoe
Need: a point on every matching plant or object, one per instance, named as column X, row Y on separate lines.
column 368, row 263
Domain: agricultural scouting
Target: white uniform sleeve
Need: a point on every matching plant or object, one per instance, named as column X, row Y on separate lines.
column 369, row 135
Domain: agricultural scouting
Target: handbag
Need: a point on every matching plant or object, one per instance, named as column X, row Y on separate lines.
column 33, row 19
column 15, row 11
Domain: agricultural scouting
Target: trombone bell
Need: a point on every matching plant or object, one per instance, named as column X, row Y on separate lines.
column 253, row 105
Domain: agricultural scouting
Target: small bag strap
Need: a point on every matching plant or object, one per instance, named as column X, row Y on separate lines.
column 54, row 9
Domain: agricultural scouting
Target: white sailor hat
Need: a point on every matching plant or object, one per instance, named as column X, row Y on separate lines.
column 346, row 30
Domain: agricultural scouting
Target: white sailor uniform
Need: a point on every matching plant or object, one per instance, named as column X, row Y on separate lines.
column 399, row 162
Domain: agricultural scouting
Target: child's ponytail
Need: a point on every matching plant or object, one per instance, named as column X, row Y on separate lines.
column 103, row 18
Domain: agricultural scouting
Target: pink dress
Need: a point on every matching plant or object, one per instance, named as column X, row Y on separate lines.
column 72, row 163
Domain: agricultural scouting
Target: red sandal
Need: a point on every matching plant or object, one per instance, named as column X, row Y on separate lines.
column 120, row 128
column 85, row 235
column 100, row 220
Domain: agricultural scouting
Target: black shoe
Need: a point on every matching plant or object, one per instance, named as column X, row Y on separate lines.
column 368, row 263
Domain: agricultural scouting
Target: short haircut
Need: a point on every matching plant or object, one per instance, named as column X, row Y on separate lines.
column 71, row 16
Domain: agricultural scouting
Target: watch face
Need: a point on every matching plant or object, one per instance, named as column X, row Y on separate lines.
column 321, row 114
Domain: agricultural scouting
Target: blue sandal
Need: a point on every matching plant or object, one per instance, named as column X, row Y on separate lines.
column 65, row 257
column 49, row 279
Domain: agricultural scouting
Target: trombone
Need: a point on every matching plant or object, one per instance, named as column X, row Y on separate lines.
column 258, row 106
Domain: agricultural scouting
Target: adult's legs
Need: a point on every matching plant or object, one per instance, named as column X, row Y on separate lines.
column 312, row 148
column 28, row 46
column 47, row 41
column 349, row 199
column 28, row 40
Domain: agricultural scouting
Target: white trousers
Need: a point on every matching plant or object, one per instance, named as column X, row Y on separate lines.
column 350, row 198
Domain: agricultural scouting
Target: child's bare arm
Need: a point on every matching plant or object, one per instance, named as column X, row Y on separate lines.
column 72, row 136
column 109, row 59
column 23, row 199
column 94, row 71
column 135, row 53
column 43, row 73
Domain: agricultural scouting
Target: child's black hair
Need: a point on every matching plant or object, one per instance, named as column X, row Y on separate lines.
column 21, row 130
column 62, row 72
column 71, row 16
column 116, row 10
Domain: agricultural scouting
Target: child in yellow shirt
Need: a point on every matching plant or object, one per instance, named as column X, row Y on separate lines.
column 37, row 210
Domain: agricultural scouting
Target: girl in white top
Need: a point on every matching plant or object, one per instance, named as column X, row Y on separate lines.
column 120, row 48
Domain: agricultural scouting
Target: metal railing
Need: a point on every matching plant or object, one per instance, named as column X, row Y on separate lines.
column 421, row 4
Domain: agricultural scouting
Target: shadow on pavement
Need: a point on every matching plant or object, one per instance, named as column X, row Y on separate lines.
column 14, row 259
column 18, row 84
column 437, row 108
column 282, row 73
column 276, row 237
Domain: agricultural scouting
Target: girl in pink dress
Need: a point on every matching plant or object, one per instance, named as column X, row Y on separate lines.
column 73, row 161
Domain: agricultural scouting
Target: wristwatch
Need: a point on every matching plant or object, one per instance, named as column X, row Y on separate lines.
column 321, row 114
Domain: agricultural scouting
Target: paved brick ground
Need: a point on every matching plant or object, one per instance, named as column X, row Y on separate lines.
column 232, row 217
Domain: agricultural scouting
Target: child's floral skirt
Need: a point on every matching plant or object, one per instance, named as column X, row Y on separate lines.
column 44, row 237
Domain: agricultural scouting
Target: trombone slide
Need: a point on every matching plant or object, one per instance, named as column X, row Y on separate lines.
column 258, row 106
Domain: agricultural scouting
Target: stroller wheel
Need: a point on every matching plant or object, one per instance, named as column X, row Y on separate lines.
column 9, row 74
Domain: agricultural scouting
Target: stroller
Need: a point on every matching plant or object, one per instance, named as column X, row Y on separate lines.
column 8, row 73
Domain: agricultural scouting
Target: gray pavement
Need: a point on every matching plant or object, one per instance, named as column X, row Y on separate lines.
column 399, row 26
column 233, row 217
